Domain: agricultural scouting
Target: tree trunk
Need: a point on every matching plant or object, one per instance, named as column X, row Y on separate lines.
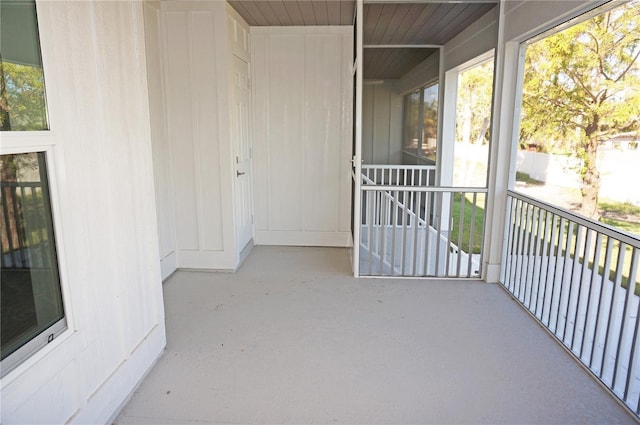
column 8, row 206
column 483, row 130
column 590, row 179
column 466, row 122
column 5, row 122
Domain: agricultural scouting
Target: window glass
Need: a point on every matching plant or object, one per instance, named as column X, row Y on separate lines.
column 430, row 122
column 22, row 95
column 421, row 125
column 30, row 285
column 411, row 123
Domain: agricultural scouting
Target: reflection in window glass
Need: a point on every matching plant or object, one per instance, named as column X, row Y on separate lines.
column 31, row 299
column 22, row 91
column 411, row 137
column 430, row 122
column 421, row 124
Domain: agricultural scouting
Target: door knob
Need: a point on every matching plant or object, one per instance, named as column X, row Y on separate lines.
column 238, row 173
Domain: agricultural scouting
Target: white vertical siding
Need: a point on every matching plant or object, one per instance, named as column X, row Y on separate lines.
column 302, row 134
column 195, row 52
column 478, row 38
column 162, row 155
column 102, row 180
column 425, row 72
column 382, row 109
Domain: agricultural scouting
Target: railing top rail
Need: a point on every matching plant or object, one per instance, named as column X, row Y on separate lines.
column 602, row 228
column 20, row 184
column 427, row 188
column 397, row 167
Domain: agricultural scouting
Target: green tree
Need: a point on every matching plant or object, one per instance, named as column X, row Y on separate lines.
column 22, row 99
column 583, row 84
column 473, row 111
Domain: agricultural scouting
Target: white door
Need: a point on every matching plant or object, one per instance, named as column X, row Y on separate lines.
column 241, row 141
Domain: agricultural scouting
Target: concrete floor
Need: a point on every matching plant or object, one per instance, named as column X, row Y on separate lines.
column 292, row 338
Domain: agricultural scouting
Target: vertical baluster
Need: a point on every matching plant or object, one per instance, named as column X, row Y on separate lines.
column 371, row 198
column 537, row 263
column 438, row 208
column 585, row 264
column 427, row 230
column 557, row 269
column 594, row 273
column 530, row 271
column 517, row 222
column 617, row 283
column 19, row 229
column 448, row 252
column 472, row 233
column 416, row 233
column 551, row 271
column 394, row 224
column 542, row 267
column 623, row 322
column 6, row 194
column 404, row 231
column 603, row 285
column 522, row 243
column 460, row 232
column 513, row 230
column 633, row 367
column 565, row 259
column 383, row 229
column 507, row 250
column 570, row 291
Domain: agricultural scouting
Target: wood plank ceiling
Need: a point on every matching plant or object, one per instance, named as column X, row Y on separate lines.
column 392, row 63
column 295, row 12
column 385, row 23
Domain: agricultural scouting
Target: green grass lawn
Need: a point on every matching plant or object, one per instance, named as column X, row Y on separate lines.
column 620, row 214
column 569, row 245
column 478, row 220
column 525, row 178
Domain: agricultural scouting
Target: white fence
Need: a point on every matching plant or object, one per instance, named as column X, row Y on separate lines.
column 411, row 228
column 579, row 278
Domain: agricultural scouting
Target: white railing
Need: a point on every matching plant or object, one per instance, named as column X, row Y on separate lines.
column 24, row 228
column 401, row 175
column 579, row 278
column 420, row 230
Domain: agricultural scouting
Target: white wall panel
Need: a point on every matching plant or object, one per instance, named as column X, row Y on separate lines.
column 195, row 52
column 285, row 143
column 162, row 156
column 426, row 72
column 181, row 131
column 478, row 38
column 261, row 115
column 203, row 56
column 102, row 190
column 381, row 124
column 238, row 33
column 302, row 134
column 322, row 133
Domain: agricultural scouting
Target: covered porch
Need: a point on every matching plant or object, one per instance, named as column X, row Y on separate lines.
column 292, row 337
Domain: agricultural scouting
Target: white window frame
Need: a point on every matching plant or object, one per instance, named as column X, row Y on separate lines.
column 38, row 347
column 16, row 142
column 421, row 90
